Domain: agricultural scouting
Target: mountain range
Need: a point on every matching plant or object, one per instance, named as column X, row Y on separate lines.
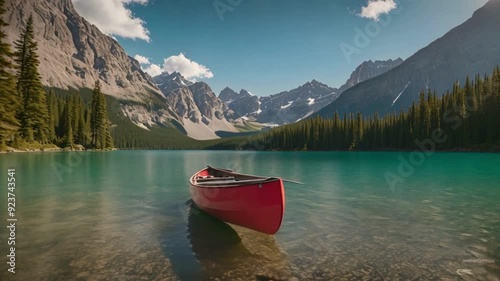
column 368, row 70
column 469, row 49
column 74, row 54
column 242, row 104
column 196, row 106
column 202, row 114
column 295, row 105
column 282, row 108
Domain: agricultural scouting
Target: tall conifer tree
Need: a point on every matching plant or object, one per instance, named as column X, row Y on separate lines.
column 34, row 113
column 9, row 102
column 101, row 137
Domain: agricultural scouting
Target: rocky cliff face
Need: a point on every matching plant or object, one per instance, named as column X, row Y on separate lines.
column 169, row 82
column 297, row 104
column 282, row 108
column 368, row 70
column 227, row 95
column 469, row 49
column 242, row 103
column 198, row 109
column 74, row 53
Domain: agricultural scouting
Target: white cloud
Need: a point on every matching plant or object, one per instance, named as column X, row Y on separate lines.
column 113, row 17
column 148, row 67
column 142, row 2
column 376, row 8
column 153, row 70
column 189, row 69
column 142, row 59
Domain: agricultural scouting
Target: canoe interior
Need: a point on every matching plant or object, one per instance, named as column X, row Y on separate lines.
column 220, row 178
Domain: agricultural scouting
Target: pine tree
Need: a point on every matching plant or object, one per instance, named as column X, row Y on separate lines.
column 109, row 139
column 424, row 115
column 81, row 133
column 9, row 101
column 52, row 108
column 34, row 113
column 88, row 124
column 359, row 127
column 68, row 127
column 94, row 119
column 101, row 137
column 103, row 119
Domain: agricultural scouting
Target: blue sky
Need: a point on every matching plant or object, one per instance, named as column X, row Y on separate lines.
column 268, row 46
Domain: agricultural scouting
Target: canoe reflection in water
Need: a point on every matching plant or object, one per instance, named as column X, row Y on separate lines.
column 227, row 253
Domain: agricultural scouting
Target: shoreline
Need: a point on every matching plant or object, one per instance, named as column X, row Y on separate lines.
column 81, row 149
column 51, row 149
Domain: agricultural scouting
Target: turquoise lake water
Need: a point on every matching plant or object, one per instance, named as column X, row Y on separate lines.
column 126, row 215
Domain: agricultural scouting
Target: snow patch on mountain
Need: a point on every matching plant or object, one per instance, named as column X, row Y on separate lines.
column 305, row 116
column 288, row 105
column 394, row 101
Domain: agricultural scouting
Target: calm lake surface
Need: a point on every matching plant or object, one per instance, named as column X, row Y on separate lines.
column 126, row 215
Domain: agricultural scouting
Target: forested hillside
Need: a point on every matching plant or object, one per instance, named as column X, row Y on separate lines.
column 33, row 119
column 466, row 117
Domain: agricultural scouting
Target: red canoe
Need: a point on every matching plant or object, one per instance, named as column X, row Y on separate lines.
column 253, row 202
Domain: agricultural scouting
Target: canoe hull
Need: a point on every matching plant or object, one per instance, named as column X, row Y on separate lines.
column 259, row 207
